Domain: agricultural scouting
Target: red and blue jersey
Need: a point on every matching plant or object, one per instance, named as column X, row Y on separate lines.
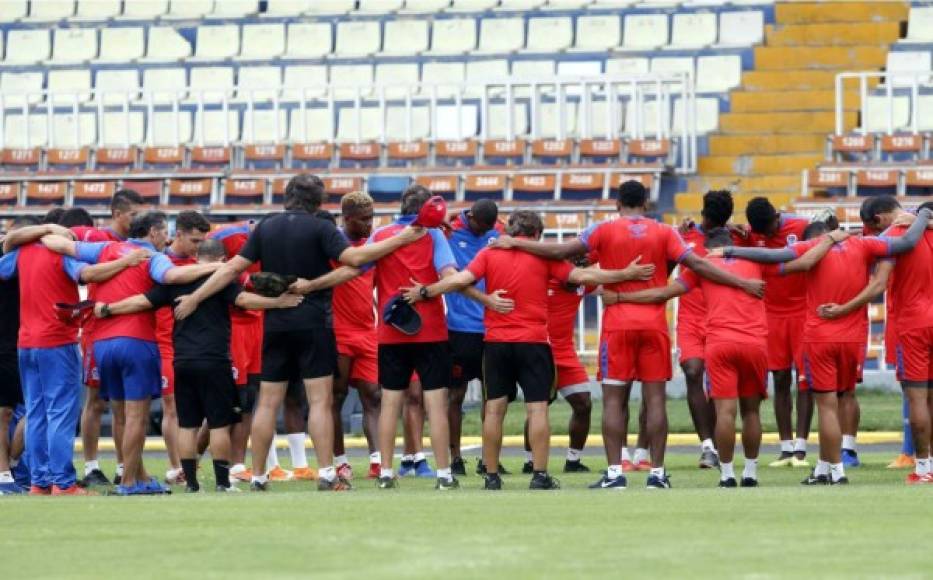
column 234, row 238
column 785, row 295
column 353, row 301
column 465, row 314
column 92, row 234
column 45, row 278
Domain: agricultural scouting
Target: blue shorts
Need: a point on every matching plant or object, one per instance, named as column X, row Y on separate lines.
column 130, row 369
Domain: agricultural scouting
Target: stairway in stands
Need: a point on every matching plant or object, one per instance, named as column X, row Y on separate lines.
column 784, row 109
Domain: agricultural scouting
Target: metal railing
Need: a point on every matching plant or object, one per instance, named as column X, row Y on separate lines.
column 895, row 85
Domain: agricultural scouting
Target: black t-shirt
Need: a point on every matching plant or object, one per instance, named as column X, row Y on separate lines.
column 9, row 315
column 205, row 335
column 297, row 243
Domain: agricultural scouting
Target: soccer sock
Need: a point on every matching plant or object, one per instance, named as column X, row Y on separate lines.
column 327, row 473
column 6, row 477
column 527, row 456
column 614, row 471
column 837, row 471
column 260, row 478
column 272, row 459
column 119, row 470
column 657, row 471
column 341, row 460
column 726, row 471
column 418, row 457
column 922, row 466
column 574, row 454
column 172, row 473
column 444, row 474
column 751, row 468
column 296, row 447
column 822, row 468
column 848, row 442
column 90, row 466
column 375, row 458
column 707, row 445
column 640, row 455
column 624, row 456
column 800, row 445
column 222, row 473
column 190, row 467
column 385, row 472
column 787, row 446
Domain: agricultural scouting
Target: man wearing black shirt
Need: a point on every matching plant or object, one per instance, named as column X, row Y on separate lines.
column 298, row 342
column 204, row 385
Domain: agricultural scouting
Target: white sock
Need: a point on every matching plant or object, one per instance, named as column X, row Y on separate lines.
column 173, row 473
column 822, row 468
column 14, row 463
column 658, row 471
column 574, row 454
column 272, row 459
column 837, row 471
column 296, row 447
column 640, row 455
column 119, row 469
column 624, row 455
column 800, row 445
column 726, row 471
column 614, row 471
column 419, row 457
column 751, row 468
column 327, row 473
column 375, row 458
column 848, row 442
column 385, row 472
column 444, row 474
column 261, row 478
column 90, row 466
column 6, row 477
column 787, row 446
column 341, row 460
column 707, row 445
column 408, row 458
column 528, row 456
column 922, row 467
column 238, row 468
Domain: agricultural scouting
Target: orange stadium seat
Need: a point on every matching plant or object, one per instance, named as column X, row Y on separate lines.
column 190, row 191
column 164, row 157
column 244, row 191
column 359, row 154
column 9, row 194
column 210, row 157
column 407, row 154
column 600, row 150
column 581, row 186
column 899, row 145
column 46, row 192
column 552, row 151
column 478, row 186
column 878, row 180
column 264, row 156
column 443, row 185
column 533, row 187
column 852, row 147
column 336, row 187
column 94, row 192
column 68, row 159
column 502, row 152
column 115, row 157
column 149, row 189
column 22, row 158
column 654, row 149
column 312, row 155
column 455, row 152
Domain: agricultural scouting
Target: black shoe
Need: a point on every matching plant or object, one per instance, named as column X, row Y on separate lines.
column 335, row 484
column 117, row 479
column 446, row 484
column 528, row 467
column 542, row 480
column 658, row 482
column 605, row 482
column 841, row 481
column 814, row 479
column 192, row 488
column 492, row 482
column 386, row 483
column 503, row 470
column 749, row 482
column 729, row 483
column 575, row 467
column 480, row 468
column 457, row 467
column 95, row 477
column 259, row 486
column 709, row 460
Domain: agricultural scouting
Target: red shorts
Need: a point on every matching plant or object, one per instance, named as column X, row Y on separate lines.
column 785, row 337
column 91, row 374
column 362, row 348
column 832, row 366
column 571, row 374
column 637, row 355
column 246, row 348
column 602, row 363
column 691, row 340
column 915, row 355
column 168, row 376
column 890, row 342
column 736, row 370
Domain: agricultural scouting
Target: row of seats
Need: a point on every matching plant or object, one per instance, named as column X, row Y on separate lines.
column 53, row 10
column 404, row 37
column 908, row 63
column 863, row 147
column 713, row 74
column 868, row 179
column 897, row 113
column 919, row 24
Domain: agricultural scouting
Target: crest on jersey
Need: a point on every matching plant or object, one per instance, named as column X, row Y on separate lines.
column 638, row 230
column 791, row 239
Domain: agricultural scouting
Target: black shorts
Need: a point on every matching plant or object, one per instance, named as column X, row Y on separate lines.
column 466, row 351
column 206, row 390
column 298, row 354
column 11, row 392
column 431, row 360
column 529, row 364
column 247, row 396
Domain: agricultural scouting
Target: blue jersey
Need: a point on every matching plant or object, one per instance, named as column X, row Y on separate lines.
column 464, row 314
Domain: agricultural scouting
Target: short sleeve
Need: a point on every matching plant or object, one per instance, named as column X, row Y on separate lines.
column 253, row 247
column 688, row 279
column 159, row 265
column 332, row 241
column 877, row 247
column 160, row 295
column 443, row 256
column 89, row 251
column 559, row 270
column 8, row 265
column 230, row 293
column 73, row 267
column 477, row 267
column 801, row 248
column 589, row 238
column 675, row 247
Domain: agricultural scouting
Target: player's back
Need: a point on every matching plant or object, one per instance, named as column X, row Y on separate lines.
column 913, row 280
column 353, row 300
column 732, row 315
column 785, row 295
column 563, row 305
column 42, row 283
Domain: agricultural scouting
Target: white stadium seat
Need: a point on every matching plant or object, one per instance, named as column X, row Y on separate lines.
column 401, row 74
column 263, row 41
column 309, row 40
column 211, row 83
column 422, row 6
column 645, row 31
column 217, row 42
column 566, row 4
column 122, row 44
column 405, row 37
column 693, row 30
column 258, row 82
column 27, row 46
column 718, row 73
column 119, row 129
column 602, row 121
column 909, row 62
column 318, row 126
column 69, row 130
column 501, row 35
column 446, row 74
column 472, row 5
column 707, row 116
column 331, row 6
column 17, row 135
column 380, row 6
column 480, row 71
column 549, row 34
column 596, row 33
column 165, row 44
column 519, row 5
column 877, row 111
column 358, row 38
column 189, row 9
column 925, row 113
column 98, row 9
column 627, row 66
column 498, row 122
column 15, row 85
column 74, row 45
column 144, row 9
column 259, row 126
column 115, row 86
column 349, row 77
column 743, row 28
column 456, row 124
column 549, row 121
column 63, row 85
column 397, row 125
column 164, row 84
column 526, row 70
column 649, row 118
column 453, row 36
column 166, row 128
column 579, row 68
column 209, row 127
column 50, row 10
column 920, row 24
column 360, row 125
column 286, row 7
column 310, row 78
column 14, row 10
column 672, row 64
column 234, row 8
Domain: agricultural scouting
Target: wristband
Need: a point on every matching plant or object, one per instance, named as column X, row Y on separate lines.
column 105, row 311
column 423, row 293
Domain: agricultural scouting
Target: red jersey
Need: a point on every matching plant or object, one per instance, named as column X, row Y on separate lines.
column 165, row 316
column 620, row 241
column 732, row 315
column 784, row 295
column 233, row 239
column 838, row 278
column 525, row 278
column 92, row 234
column 353, row 301
column 562, row 308
column 913, row 281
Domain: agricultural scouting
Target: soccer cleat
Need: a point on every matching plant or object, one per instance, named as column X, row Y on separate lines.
column 492, row 482
column 841, row 481
column 12, row 488
column 406, row 468
column 374, row 470
column 606, row 482
column 749, row 482
column 643, row 465
column 192, row 489
column 543, row 480
column 279, row 474
column 457, row 466
column 229, row 489
column 628, row 466
column 785, row 460
column 709, row 460
column 138, row 488
column 71, row 490
column 528, row 467
column 156, row 488
column 310, row 474
column 575, row 467
column 914, row 479
column 447, row 484
column 850, row 458
column 903, row 461
column 117, row 479
column 799, row 461
column 387, row 483
column 173, row 477
column 258, row 486
column 37, row 490
column 658, row 482
column 481, row 469
column 336, row 484
column 728, row 483
column 814, row 479
column 503, row 470
column 245, row 476
column 422, row 469
column 95, row 477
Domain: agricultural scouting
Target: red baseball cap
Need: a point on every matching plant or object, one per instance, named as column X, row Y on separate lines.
column 433, row 213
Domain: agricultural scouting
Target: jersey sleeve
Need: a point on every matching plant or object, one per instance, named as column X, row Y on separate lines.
column 477, row 266
column 89, row 251
column 589, row 237
column 8, row 265
column 876, row 247
column 252, row 248
column 801, row 248
column 159, row 265
column 73, row 267
column 443, row 256
column 559, row 270
column 688, row 279
column 675, row 247
column 332, row 241
column 160, row 295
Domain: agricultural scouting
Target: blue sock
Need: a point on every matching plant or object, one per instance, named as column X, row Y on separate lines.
column 908, row 446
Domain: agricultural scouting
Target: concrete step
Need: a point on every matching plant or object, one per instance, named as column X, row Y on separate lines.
column 797, row 122
column 690, row 204
column 807, row 100
column 758, row 164
column 821, row 57
column 832, row 34
column 786, row 80
column 766, row 144
column 746, row 183
column 810, row 12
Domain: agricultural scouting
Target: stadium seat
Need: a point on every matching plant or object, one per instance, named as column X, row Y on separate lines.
column 309, row 40
column 693, row 30
column 211, row 83
column 73, row 131
column 405, row 37
column 307, row 80
column 114, row 86
column 330, row 6
column 548, row 121
column 259, row 83
column 497, row 124
column 422, row 6
column 318, row 126
column 533, row 187
column 900, row 146
column 453, row 36
column 471, row 5
column 519, row 5
column 182, row 192
column 851, row 147
column 477, row 186
column 244, row 191
column 456, row 126
column 209, row 128
column 50, row 10
column 718, row 73
column 627, row 66
column 379, row 6
column 579, row 68
column 920, row 24
column 286, row 7
column 259, row 127
column 189, row 9
column 527, row 70
column 165, row 44
column 442, row 185
column 501, row 35
column 386, row 188
column 359, row 125
column 925, row 113
column 123, row 44
column 46, row 193
column 402, row 76
column 877, row 114
column 16, row 135
column 549, row 34
column 645, row 31
column 27, row 46
column 480, row 71
column 74, row 45
column 63, row 85
column 217, row 42
column 909, row 62
column 649, row 119
column 707, row 116
column 743, row 28
column 598, row 33
column 144, row 9
column 122, row 130
column 675, row 64
column 357, row 79
column 356, row 155
column 15, row 85
column 14, row 10
column 447, row 75
column 358, row 38
column 406, row 153
column 598, row 124
column 91, row 193
column 98, row 9
column 234, row 8
column 165, row 129
column 397, row 127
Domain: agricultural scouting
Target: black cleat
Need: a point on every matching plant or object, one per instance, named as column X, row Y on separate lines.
column 95, row 477
column 814, row 479
column 192, row 488
column 841, row 481
column 335, row 484
column 749, row 482
column 709, row 460
column 446, row 484
column 117, row 479
column 605, row 482
column 543, row 480
column 259, row 486
column 503, row 470
column 386, row 483
column 575, row 467
column 457, row 467
column 528, row 468
column 492, row 482
column 658, row 482
column 481, row 469
column 728, row 483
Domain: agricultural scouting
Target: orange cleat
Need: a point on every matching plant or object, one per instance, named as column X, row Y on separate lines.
column 73, row 490
column 305, row 473
column 903, row 461
column 279, row 474
column 643, row 465
column 36, row 490
column 245, row 475
column 375, row 471
column 628, row 466
column 344, row 471
column 914, row 479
